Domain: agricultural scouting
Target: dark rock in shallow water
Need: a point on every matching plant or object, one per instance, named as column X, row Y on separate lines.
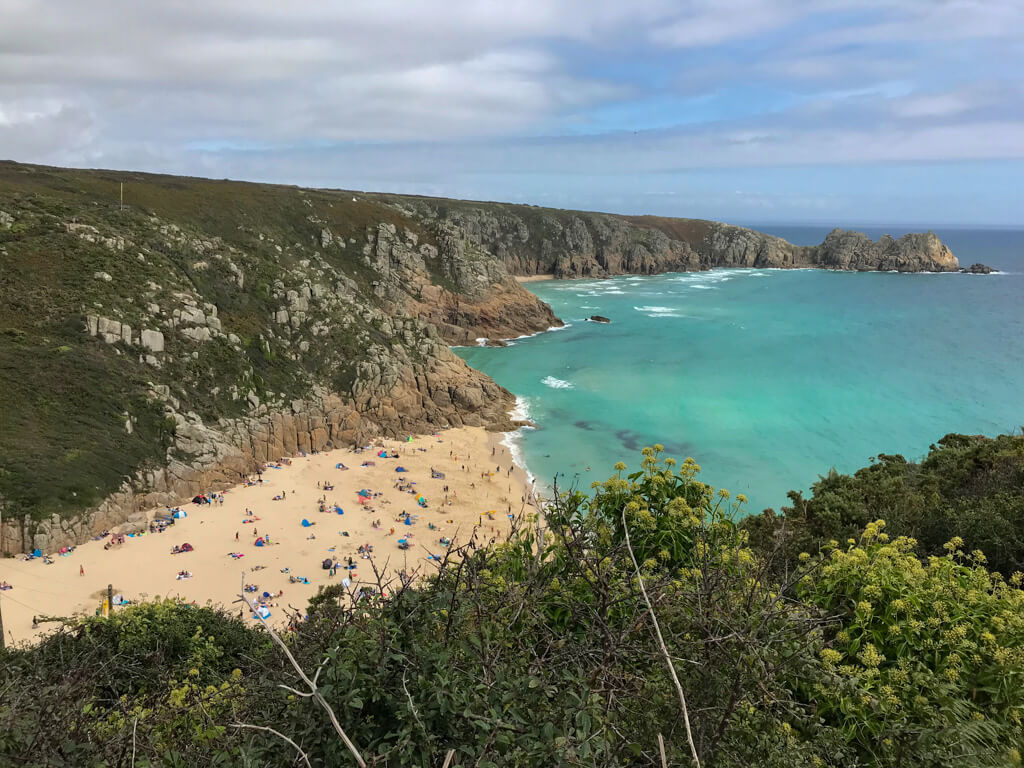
column 598, row 319
column 977, row 269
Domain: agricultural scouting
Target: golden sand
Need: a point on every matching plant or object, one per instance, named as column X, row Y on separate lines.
column 533, row 278
column 476, row 467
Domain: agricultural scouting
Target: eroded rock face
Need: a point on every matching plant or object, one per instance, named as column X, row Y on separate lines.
column 442, row 392
column 568, row 244
column 855, row 250
column 477, row 296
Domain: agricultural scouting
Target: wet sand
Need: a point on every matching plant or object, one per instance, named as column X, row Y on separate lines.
column 476, row 467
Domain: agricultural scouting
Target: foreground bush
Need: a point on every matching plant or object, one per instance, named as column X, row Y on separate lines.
column 926, row 663
column 542, row 651
column 968, row 486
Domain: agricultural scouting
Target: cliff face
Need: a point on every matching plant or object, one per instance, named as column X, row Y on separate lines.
column 856, row 251
column 568, row 244
column 169, row 347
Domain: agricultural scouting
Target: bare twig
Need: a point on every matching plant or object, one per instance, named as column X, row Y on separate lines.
column 276, row 733
column 661, row 751
column 661, row 642
column 135, row 728
column 411, row 705
column 448, row 758
column 314, row 691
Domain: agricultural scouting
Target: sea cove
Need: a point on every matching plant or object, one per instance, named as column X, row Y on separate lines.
column 769, row 377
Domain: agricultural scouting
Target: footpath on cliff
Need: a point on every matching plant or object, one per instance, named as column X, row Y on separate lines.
column 483, row 487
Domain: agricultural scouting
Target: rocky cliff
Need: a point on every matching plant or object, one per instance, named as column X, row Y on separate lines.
column 154, row 350
column 571, row 244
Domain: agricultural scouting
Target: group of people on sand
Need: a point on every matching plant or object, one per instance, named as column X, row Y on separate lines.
column 209, row 498
column 369, row 498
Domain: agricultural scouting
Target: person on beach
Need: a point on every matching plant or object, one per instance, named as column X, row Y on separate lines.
column 81, row 570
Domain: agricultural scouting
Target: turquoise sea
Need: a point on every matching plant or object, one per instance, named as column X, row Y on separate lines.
column 768, row 378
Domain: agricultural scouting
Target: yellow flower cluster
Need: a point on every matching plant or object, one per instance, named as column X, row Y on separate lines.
column 830, row 656
column 870, row 656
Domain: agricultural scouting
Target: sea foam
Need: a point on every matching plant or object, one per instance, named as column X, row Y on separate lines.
column 513, row 440
column 551, row 381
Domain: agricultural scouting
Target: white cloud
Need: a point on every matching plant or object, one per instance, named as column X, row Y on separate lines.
column 400, row 94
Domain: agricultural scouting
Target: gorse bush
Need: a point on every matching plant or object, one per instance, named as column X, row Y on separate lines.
column 968, row 486
column 540, row 651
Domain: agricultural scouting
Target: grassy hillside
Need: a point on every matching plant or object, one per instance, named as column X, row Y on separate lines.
column 67, row 396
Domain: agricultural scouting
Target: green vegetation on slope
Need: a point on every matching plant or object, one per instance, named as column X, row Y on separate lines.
column 971, row 487
column 864, row 656
column 67, row 396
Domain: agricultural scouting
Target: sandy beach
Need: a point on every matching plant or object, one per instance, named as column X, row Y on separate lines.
column 479, row 475
column 533, row 278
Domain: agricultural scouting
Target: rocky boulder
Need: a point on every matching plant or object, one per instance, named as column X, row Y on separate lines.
column 978, row 269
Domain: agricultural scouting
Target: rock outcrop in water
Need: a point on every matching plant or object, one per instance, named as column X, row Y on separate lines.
column 152, row 352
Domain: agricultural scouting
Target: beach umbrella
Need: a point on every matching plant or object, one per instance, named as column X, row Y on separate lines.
column 306, row 523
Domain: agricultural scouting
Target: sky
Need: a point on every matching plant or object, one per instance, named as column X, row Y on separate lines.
column 845, row 112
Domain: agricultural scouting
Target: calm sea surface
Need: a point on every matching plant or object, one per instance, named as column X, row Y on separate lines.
column 768, row 378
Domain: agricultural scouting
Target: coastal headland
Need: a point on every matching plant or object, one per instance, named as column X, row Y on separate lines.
column 172, row 343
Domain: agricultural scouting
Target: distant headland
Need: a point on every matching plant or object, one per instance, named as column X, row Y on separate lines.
column 188, row 329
